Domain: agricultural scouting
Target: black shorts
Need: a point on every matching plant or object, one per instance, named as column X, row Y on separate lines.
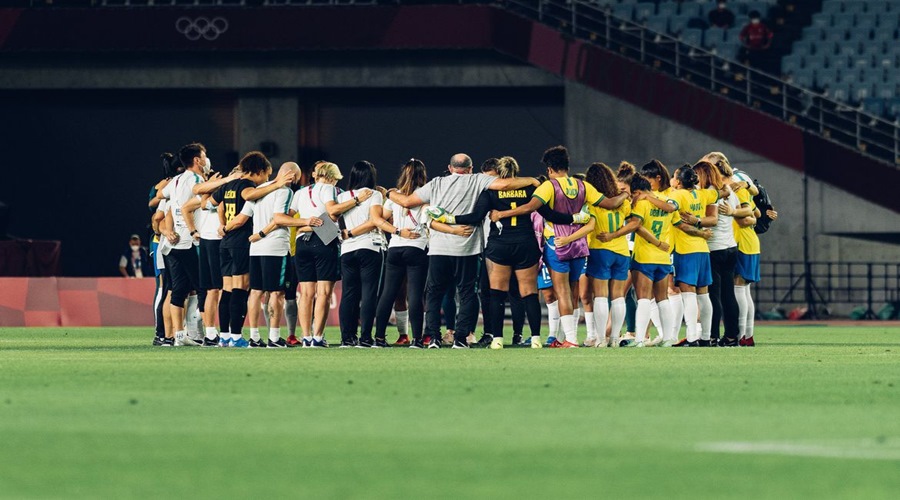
column 268, row 273
column 317, row 262
column 235, row 261
column 515, row 255
column 210, row 265
column 183, row 267
column 290, row 280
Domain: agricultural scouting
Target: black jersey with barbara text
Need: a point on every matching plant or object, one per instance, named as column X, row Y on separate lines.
column 230, row 196
column 511, row 229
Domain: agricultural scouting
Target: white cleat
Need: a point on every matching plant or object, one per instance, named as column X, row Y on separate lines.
column 182, row 339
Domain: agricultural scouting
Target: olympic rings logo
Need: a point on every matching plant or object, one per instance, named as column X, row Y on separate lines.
column 201, row 27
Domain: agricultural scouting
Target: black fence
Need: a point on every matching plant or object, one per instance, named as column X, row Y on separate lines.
column 866, row 287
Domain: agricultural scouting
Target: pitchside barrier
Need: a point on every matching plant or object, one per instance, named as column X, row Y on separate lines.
column 88, row 302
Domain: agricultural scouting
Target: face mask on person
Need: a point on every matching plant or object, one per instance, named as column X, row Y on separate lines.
column 208, row 167
column 721, row 5
column 135, row 248
column 754, row 21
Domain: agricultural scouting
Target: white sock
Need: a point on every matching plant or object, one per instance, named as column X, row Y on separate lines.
column 236, row 336
column 274, row 334
column 317, row 338
column 665, row 318
column 590, row 324
column 741, row 296
column 180, row 333
column 290, row 314
column 578, row 313
column 677, row 305
column 654, row 317
column 211, row 332
column 600, row 315
column 617, row 317
column 706, row 312
column 568, row 327
column 751, row 314
column 191, row 315
column 254, row 334
column 553, row 318
column 402, row 322
column 689, row 300
column 642, row 319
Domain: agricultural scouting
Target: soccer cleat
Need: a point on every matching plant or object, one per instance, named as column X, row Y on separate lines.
column 306, row 343
column 614, row 342
column 591, row 342
column 318, row 344
column 293, row 341
column 713, row 342
column 207, row 342
column 167, row 342
column 417, row 344
column 348, row 343
column 685, row 343
column 655, row 342
column 364, row 344
column 225, row 340
column 550, row 341
column 278, row 344
column 727, row 342
column 256, row 344
column 438, row 214
column 181, row 339
column 381, row 344
column 497, row 343
column 635, row 343
column 666, row 343
column 158, row 341
column 554, row 344
column 705, row 343
column 569, row 345
column 402, row 340
column 435, row 343
column 484, row 342
column 241, row 342
column 426, row 340
column 516, row 340
column 536, row 343
column 459, row 344
column 746, row 342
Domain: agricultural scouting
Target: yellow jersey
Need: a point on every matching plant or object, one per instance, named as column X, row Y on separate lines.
column 746, row 237
column 658, row 222
column 693, row 201
column 666, row 196
column 610, row 221
column 545, row 193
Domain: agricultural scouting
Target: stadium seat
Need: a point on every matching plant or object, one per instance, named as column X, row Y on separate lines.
column 813, row 33
column 873, row 105
column 884, row 91
column 868, row 19
column 694, row 9
column 839, row 62
column 733, row 34
column 669, row 9
column 825, row 77
column 816, row 61
column 854, row 7
column 878, row 6
column 832, row 7
column 803, row 47
column 713, row 37
column 803, row 77
column 821, row 20
column 892, row 107
column 644, row 10
column 729, row 50
column 678, row 23
column 692, row 36
column 839, row 92
column 848, row 48
column 624, row 11
column 659, row 24
column 762, row 7
column 884, row 35
column 842, row 23
column 860, row 91
column 791, row 62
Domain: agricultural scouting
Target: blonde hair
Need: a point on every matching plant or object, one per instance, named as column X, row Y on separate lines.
column 507, row 167
column 720, row 161
column 327, row 170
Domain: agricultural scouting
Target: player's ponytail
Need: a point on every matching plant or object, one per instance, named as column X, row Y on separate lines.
column 687, row 177
column 507, row 167
column 626, row 172
column 639, row 183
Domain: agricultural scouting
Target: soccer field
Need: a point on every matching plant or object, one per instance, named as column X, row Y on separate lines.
column 809, row 412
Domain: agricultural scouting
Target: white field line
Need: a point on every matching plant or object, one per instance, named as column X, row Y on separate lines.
column 867, row 450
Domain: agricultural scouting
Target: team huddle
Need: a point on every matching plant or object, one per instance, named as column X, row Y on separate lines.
column 635, row 247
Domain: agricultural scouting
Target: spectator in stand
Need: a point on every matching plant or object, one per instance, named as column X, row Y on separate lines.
column 135, row 262
column 721, row 16
column 756, row 39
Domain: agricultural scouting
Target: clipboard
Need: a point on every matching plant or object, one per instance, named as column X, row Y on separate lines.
column 328, row 231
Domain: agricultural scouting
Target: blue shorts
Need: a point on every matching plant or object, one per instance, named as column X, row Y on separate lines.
column 574, row 267
column 747, row 267
column 543, row 278
column 607, row 265
column 656, row 272
column 693, row 269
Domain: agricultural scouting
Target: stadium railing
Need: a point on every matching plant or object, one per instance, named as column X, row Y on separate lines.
column 867, row 287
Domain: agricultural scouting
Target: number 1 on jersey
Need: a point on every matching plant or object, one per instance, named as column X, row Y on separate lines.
column 512, row 206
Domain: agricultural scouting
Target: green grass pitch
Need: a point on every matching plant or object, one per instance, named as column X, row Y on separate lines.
column 808, row 413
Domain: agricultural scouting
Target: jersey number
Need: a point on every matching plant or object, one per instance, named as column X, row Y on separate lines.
column 512, row 206
column 614, row 227
column 656, row 228
column 229, row 211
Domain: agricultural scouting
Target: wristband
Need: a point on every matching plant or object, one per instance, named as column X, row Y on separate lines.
column 262, row 234
column 349, row 233
column 356, row 200
column 697, row 225
column 397, row 231
column 193, row 232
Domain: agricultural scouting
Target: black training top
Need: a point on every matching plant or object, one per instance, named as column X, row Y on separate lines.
column 512, row 229
column 230, row 195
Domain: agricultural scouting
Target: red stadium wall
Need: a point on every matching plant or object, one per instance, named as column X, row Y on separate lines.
column 45, row 302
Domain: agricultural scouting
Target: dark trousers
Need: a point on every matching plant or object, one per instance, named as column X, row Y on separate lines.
column 162, row 288
column 360, row 277
column 412, row 264
column 443, row 270
column 721, row 292
column 448, row 307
